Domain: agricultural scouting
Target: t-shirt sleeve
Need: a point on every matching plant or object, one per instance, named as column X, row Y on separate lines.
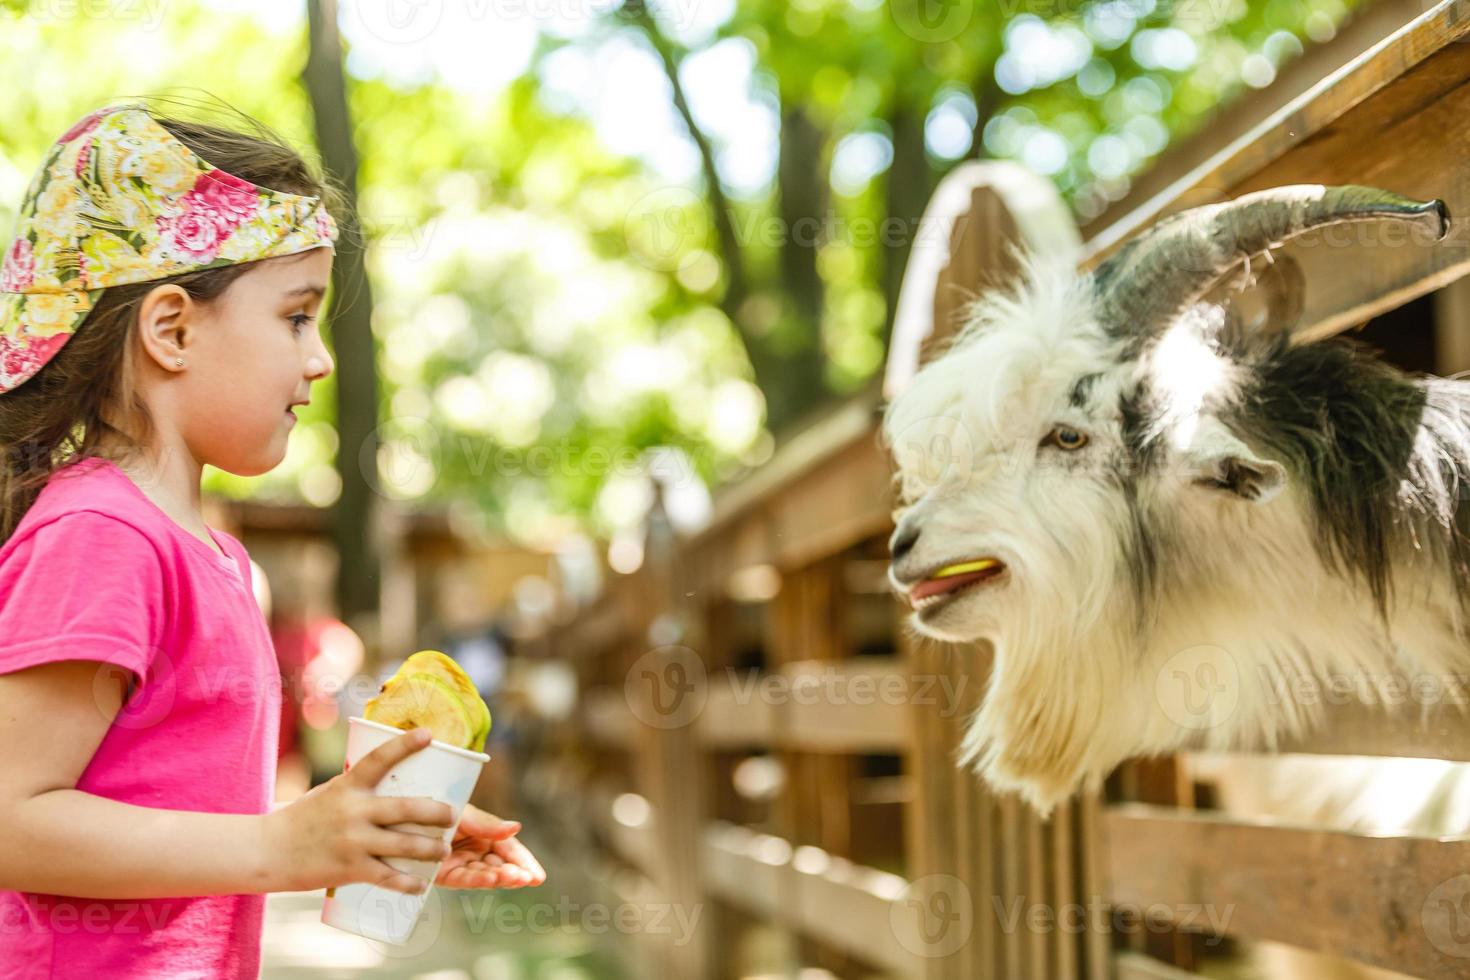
column 84, row 586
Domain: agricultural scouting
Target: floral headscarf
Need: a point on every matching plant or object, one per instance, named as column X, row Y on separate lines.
column 118, row 200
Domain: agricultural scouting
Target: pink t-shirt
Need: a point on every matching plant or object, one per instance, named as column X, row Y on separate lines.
column 96, row 571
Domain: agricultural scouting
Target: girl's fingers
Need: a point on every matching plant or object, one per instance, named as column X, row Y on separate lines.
column 412, row 809
column 371, row 768
column 481, row 824
column 386, row 876
column 518, row 854
column 389, row 843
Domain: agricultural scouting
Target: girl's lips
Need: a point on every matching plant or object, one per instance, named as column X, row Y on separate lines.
column 952, row 578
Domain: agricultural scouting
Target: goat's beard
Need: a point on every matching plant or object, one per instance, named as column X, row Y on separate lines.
column 1048, row 722
column 1240, row 655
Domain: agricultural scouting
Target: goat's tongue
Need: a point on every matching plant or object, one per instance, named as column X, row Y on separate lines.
column 953, row 577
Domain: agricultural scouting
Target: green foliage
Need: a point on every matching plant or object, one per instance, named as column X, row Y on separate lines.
column 547, row 309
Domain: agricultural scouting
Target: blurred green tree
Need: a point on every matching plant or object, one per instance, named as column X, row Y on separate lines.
column 553, row 316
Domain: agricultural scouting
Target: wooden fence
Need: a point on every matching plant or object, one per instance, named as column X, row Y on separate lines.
column 760, row 739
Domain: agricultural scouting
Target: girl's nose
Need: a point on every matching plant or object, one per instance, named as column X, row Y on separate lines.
column 319, row 365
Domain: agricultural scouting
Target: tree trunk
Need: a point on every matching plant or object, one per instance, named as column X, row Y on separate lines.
column 803, row 202
column 908, row 185
column 787, row 370
column 356, row 518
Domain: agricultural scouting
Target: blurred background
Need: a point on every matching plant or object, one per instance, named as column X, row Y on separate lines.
column 611, row 258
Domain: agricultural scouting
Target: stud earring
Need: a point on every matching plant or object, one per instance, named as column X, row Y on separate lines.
column 179, row 361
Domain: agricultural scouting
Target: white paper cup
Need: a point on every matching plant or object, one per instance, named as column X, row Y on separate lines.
column 440, row 771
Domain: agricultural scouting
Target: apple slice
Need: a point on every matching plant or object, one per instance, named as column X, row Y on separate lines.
column 444, row 667
column 408, row 701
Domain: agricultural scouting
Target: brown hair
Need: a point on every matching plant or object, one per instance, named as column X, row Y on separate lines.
column 65, row 412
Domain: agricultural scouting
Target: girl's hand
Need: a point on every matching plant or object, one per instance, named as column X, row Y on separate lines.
column 337, row 833
column 487, row 855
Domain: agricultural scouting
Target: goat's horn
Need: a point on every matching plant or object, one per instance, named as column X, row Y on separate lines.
column 1161, row 272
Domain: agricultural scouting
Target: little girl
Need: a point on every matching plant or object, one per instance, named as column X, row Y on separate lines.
column 157, row 313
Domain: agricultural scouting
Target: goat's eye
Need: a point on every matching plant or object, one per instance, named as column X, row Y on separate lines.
column 1066, row 437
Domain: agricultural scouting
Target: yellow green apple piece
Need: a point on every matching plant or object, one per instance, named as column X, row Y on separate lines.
column 443, row 666
column 408, row 701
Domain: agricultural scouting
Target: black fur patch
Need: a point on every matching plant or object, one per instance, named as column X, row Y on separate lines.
column 1082, row 390
column 1382, row 454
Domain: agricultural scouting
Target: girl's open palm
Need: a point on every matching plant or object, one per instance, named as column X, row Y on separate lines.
column 486, row 854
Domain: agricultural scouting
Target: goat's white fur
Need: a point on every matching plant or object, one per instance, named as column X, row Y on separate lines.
column 1248, row 609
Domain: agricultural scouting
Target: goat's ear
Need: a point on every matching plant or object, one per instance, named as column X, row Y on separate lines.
column 1218, row 460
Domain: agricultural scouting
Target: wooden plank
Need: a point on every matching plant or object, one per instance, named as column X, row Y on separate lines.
column 1038, row 965
column 979, row 209
column 607, row 718
column 1096, row 941
column 850, row 908
column 834, row 505
column 1135, row 966
column 930, row 818
column 825, row 490
column 838, row 903
column 718, row 552
column 745, row 868
column 794, row 460
column 1393, row 118
column 1063, row 889
column 635, row 841
column 1387, row 901
column 736, row 714
column 1011, row 947
column 1451, row 339
column 855, row 705
column 1160, row 780
column 1443, row 732
column 984, row 882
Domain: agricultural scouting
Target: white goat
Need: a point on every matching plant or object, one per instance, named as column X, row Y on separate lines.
column 1177, row 533
column 1167, row 526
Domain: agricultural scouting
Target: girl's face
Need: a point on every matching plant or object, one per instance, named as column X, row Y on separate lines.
column 256, row 352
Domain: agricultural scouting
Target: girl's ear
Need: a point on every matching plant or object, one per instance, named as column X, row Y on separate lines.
column 164, row 324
